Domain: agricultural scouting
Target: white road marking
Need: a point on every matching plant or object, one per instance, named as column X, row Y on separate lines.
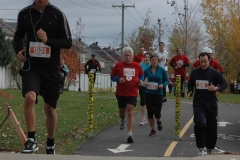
column 120, row 149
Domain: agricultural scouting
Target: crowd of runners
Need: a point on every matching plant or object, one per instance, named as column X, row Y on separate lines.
column 147, row 73
column 47, row 31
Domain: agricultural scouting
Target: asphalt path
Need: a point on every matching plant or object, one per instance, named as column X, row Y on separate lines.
column 113, row 141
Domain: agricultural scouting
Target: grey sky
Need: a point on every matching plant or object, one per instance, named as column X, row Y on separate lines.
column 100, row 18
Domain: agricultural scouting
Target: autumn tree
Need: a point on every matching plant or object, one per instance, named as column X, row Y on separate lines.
column 70, row 57
column 143, row 36
column 221, row 18
column 187, row 32
column 73, row 57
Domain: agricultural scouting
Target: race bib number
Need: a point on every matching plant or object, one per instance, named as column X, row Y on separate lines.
column 179, row 63
column 93, row 70
column 152, row 86
column 201, row 84
column 129, row 72
column 39, row 49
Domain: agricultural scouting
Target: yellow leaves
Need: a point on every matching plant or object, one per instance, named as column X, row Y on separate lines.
column 221, row 18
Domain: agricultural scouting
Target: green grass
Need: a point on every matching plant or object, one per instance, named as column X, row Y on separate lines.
column 72, row 126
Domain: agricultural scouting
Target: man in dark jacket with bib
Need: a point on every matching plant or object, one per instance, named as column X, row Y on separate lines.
column 205, row 82
column 92, row 65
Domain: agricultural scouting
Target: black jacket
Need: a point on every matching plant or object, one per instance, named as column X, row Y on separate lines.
column 203, row 97
column 92, row 65
column 53, row 21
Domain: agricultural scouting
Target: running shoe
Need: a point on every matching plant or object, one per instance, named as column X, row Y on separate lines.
column 209, row 151
column 130, row 139
column 143, row 122
column 50, row 150
column 201, row 152
column 31, row 146
column 123, row 123
column 159, row 124
column 152, row 133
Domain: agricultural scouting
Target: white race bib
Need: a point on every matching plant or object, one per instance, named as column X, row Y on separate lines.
column 39, row 49
column 152, row 85
column 201, row 84
column 129, row 73
column 93, row 70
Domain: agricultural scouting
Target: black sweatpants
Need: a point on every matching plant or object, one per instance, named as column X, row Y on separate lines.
column 153, row 105
column 205, row 128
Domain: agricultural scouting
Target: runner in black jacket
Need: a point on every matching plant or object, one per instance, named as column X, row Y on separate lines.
column 92, row 65
column 47, row 31
column 205, row 81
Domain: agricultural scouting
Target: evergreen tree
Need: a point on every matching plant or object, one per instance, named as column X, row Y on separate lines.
column 6, row 49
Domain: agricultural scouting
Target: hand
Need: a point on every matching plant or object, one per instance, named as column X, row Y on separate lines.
column 42, row 35
column 21, row 57
column 122, row 80
column 176, row 67
column 190, row 94
column 160, row 86
column 212, row 87
column 140, row 83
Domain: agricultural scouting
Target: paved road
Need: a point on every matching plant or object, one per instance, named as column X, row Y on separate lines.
column 165, row 144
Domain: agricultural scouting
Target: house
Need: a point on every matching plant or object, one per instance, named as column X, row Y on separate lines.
column 8, row 29
column 110, row 58
column 113, row 53
column 86, row 53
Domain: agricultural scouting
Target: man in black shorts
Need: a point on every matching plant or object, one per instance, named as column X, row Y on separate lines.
column 47, row 31
column 127, row 74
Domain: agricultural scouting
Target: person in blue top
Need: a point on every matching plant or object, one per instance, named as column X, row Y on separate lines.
column 145, row 64
column 65, row 72
column 155, row 79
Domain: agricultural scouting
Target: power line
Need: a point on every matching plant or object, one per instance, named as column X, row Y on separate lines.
column 127, row 19
column 140, row 14
column 81, row 5
column 102, row 5
column 92, row 3
column 133, row 17
column 123, row 7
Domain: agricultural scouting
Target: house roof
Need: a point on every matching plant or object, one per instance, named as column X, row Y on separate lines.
column 113, row 54
column 100, row 52
column 6, row 28
column 88, row 51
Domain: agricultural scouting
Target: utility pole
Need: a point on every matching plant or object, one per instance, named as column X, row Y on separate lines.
column 185, row 28
column 123, row 8
column 159, row 31
column 79, row 56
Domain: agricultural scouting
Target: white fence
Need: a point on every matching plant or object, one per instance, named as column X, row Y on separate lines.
column 102, row 81
column 5, row 77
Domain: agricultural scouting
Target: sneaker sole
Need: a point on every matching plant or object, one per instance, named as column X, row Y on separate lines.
column 31, row 152
column 152, row 135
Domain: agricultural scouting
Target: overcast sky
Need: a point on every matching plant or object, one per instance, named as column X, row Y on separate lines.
column 102, row 22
